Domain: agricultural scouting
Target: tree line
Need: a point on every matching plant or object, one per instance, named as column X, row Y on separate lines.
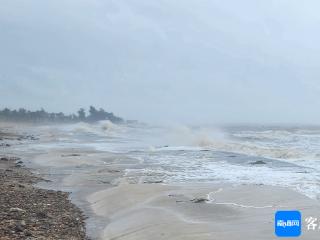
column 41, row 115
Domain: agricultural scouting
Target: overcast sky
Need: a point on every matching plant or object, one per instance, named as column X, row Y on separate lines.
column 190, row 61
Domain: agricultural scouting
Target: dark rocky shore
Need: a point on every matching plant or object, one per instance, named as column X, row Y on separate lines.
column 27, row 212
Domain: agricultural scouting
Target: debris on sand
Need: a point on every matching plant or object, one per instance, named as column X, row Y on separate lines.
column 258, row 162
column 71, row 155
column 199, row 200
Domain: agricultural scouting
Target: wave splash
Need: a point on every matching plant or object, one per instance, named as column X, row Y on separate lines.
column 284, row 144
column 277, row 144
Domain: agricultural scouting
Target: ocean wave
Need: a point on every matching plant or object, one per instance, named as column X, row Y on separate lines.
column 281, row 144
column 276, row 144
column 101, row 128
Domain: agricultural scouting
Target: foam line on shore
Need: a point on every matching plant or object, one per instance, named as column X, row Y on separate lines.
column 245, row 206
column 212, row 200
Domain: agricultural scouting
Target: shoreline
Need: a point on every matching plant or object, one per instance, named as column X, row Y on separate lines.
column 30, row 212
column 123, row 207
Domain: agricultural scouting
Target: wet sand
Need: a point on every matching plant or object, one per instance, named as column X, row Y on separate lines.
column 186, row 211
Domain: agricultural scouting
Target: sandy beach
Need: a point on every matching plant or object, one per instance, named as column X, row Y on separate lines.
column 179, row 212
column 119, row 206
column 30, row 212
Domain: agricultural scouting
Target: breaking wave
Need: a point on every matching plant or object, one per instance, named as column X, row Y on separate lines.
column 293, row 144
column 102, row 128
column 277, row 144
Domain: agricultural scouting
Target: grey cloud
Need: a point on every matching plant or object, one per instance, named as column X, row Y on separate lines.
column 188, row 61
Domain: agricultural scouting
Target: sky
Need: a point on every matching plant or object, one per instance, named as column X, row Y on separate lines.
column 188, row 61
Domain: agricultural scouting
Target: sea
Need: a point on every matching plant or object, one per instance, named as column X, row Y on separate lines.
column 263, row 155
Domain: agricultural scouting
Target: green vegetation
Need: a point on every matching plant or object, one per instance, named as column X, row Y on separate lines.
column 23, row 115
